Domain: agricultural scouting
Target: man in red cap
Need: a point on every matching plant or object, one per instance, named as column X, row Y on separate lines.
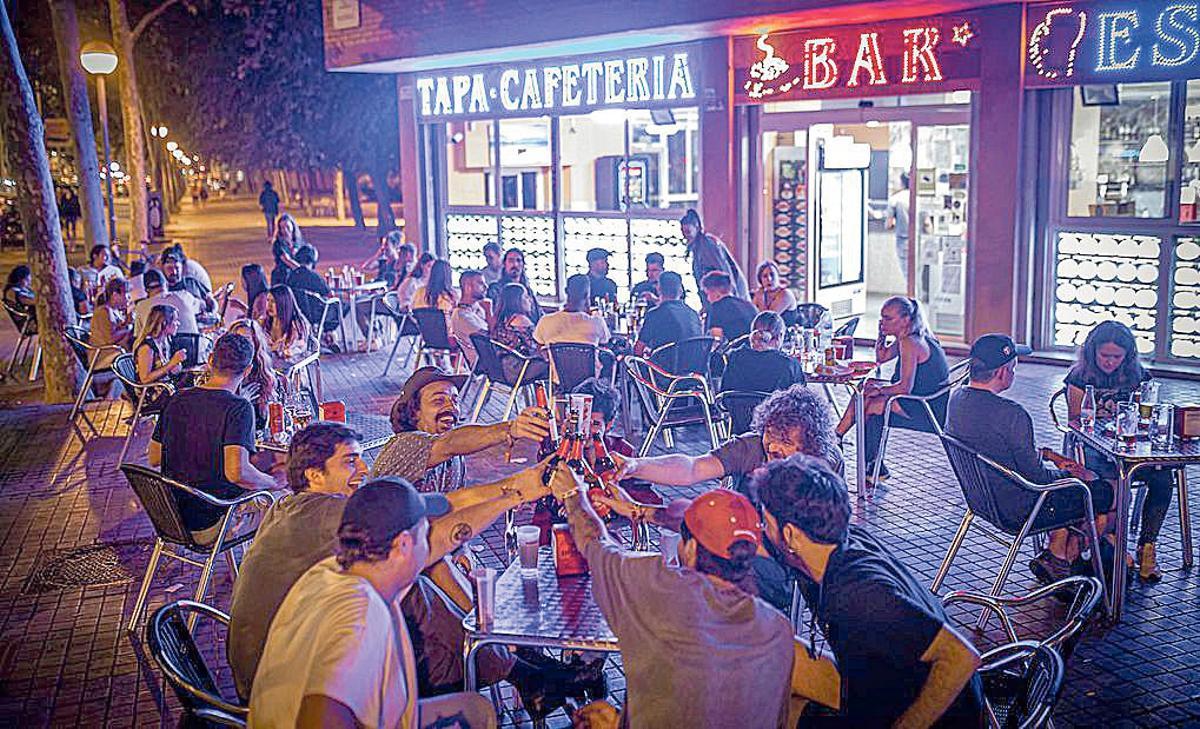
column 698, row 649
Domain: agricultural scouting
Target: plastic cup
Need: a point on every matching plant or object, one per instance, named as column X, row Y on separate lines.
column 485, row 596
column 668, row 544
column 1162, row 426
column 528, row 542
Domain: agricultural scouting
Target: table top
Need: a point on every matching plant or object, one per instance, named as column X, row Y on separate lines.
column 376, row 431
column 358, row 289
column 558, row 610
column 838, row 378
column 1181, row 451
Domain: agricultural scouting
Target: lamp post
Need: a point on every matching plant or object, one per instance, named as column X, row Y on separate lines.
column 99, row 59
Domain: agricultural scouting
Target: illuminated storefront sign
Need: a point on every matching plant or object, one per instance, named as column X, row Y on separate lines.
column 914, row 56
column 659, row 77
column 1110, row 42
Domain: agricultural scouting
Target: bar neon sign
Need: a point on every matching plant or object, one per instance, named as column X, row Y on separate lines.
column 1110, row 42
column 889, row 58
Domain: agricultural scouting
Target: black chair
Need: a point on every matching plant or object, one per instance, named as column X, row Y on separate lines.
column 810, row 315
column 972, row 470
column 159, row 496
column 189, row 344
column 1021, row 684
column 739, row 406
column 689, row 356
column 90, row 356
column 848, row 328
column 490, row 366
column 126, row 371
column 324, row 314
column 572, row 363
column 933, row 405
column 406, row 328
column 173, row 647
column 435, row 339
column 25, row 321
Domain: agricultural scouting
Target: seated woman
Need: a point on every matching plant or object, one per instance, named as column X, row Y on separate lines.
column 20, row 296
column 514, row 329
column 262, row 385
column 407, row 290
column 385, row 261
column 152, row 354
column 285, row 327
column 255, row 284
column 78, row 297
column 1108, row 361
column 112, row 323
column 760, row 366
column 772, row 294
column 438, row 291
column 922, row 371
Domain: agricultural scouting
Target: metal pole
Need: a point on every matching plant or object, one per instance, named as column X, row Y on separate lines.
column 102, row 100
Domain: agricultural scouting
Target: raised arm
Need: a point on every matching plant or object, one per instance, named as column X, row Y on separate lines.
column 476, row 507
column 671, row 470
column 531, row 424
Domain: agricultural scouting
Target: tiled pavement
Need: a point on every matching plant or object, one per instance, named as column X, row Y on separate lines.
column 65, row 658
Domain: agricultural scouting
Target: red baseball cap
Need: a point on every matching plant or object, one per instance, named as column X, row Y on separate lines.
column 721, row 517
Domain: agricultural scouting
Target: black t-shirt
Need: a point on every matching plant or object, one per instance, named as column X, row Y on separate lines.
column 192, row 286
column 671, row 321
column 306, row 279
column 1110, row 391
column 751, row 370
column 193, row 429
column 645, row 287
column 603, row 287
column 879, row 621
column 732, row 315
column 279, row 247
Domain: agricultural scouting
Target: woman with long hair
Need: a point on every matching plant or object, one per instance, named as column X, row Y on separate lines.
column 386, row 260
column 255, row 284
column 923, row 370
column 438, row 292
column 407, row 289
column 514, row 329
column 285, row 327
column 260, row 386
column 1108, row 362
column 772, row 294
column 286, row 240
column 111, row 323
column 152, row 354
column 19, row 294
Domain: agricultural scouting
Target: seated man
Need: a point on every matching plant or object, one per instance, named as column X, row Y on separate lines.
column 671, row 321
column 759, row 365
column 573, row 325
column 186, row 305
column 205, row 437
column 896, row 660
column 728, row 656
column 324, row 468
column 728, row 316
column 471, row 313
column 603, row 287
column 648, row 290
column 171, row 263
column 1002, row 430
column 305, row 283
column 338, row 653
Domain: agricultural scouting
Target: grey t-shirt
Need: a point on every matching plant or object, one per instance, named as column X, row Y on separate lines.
column 695, row 655
column 407, row 455
column 741, row 455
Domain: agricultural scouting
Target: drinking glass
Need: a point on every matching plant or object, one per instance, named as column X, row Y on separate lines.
column 485, row 596
column 1162, row 426
column 1127, row 423
column 528, row 538
column 1149, row 398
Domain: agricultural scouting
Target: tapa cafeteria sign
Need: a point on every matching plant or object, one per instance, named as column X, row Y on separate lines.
column 653, row 78
column 1110, row 42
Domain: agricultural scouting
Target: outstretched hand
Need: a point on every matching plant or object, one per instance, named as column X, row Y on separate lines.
column 532, row 423
column 564, row 481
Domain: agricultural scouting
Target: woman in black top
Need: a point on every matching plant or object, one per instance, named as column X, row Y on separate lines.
column 1108, row 361
column 760, row 366
column 286, row 242
column 19, row 295
column 922, row 370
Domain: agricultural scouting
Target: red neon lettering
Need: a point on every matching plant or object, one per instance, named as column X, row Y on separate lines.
column 820, row 70
column 868, row 58
column 919, row 44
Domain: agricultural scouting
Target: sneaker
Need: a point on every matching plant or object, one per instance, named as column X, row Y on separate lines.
column 1047, row 568
column 1148, row 563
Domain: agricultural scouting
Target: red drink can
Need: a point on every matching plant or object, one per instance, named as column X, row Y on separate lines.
column 568, row 560
column 275, row 417
column 334, row 411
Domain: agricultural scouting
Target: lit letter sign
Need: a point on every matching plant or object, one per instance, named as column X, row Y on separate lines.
column 425, row 91
column 479, row 101
column 1116, row 31
column 462, row 87
column 1177, row 30
column 918, row 51
column 614, row 89
column 681, row 79
column 508, row 99
column 635, row 73
column 820, row 71
column 868, row 58
column 571, row 95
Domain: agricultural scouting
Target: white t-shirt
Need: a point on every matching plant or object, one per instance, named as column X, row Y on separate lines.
column 185, row 304
column 574, row 327
column 335, row 636
column 198, row 272
column 465, row 321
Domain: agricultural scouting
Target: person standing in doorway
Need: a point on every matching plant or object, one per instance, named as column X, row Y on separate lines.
column 268, row 200
column 708, row 253
column 897, row 220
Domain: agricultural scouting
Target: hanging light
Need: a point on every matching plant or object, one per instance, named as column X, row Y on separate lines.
column 1154, row 151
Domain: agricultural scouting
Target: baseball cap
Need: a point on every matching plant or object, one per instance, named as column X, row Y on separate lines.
column 997, row 350
column 721, row 517
column 597, row 254
column 386, row 506
column 425, row 376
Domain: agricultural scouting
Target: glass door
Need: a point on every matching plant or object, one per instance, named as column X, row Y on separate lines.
column 941, row 175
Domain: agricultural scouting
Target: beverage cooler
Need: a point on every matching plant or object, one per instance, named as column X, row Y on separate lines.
column 838, row 211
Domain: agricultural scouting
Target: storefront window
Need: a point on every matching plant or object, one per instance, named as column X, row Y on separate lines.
column 593, row 161
column 1109, row 276
column 1119, row 151
column 1185, row 299
column 525, row 164
column 469, row 163
column 1189, row 187
column 665, row 143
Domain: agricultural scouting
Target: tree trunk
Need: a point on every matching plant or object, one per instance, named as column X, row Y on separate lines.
column 351, row 182
column 29, row 165
column 79, row 114
column 383, row 198
column 131, row 116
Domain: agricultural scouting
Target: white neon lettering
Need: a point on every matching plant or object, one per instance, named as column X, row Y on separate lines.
column 425, row 89
column 636, row 88
column 441, row 102
column 508, row 79
column 659, row 77
column 681, row 79
column 592, row 71
column 462, row 87
column 551, row 80
column 868, row 58
column 820, row 70
column 1177, row 32
column 531, row 96
column 614, row 87
column 571, row 95
column 919, row 44
column 1117, row 28
column 479, row 102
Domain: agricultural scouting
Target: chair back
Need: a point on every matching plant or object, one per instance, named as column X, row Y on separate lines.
column 740, row 405
column 155, row 493
column 573, row 363
column 316, row 310
column 848, row 329
column 972, row 474
column 1060, row 423
column 126, row 371
column 809, row 315
column 174, row 649
column 225, row 293
column 432, row 323
column 685, row 357
column 80, row 340
column 488, row 359
column 190, row 344
column 1021, row 683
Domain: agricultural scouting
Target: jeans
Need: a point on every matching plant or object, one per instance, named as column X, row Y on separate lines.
column 1159, row 483
column 270, row 216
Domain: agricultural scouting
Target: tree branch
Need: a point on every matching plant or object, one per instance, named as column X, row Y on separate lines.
column 149, row 17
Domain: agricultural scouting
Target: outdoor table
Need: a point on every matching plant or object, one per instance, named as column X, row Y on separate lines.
column 855, row 380
column 376, row 431
column 547, row 612
column 1128, row 462
column 351, row 294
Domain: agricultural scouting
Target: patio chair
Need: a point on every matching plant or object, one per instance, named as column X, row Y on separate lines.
column 91, row 356
column 572, row 363
column 126, row 371
column 490, row 366
column 322, row 313
column 739, row 406
column 848, row 327
column 972, row 469
column 934, row 406
column 406, row 327
column 688, row 356
column 809, row 316
column 160, row 497
column 671, row 401
column 1021, row 684
column 173, row 646
column 434, row 342
column 25, row 321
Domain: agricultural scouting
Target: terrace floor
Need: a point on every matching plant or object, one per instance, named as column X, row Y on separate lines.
column 66, row 660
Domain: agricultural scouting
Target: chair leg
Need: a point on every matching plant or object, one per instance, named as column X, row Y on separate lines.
column 712, row 428
column 145, row 588
column 481, row 399
column 512, row 401
column 392, row 356
column 16, row 355
column 37, row 362
column 205, row 576
column 1139, row 503
column 883, row 439
column 669, row 438
column 1185, row 521
column 1002, row 577
column 231, row 563
column 87, row 384
column 137, row 415
column 654, row 430
column 955, row 544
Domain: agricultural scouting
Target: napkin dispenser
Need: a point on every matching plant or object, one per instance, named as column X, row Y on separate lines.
column 1187, row 421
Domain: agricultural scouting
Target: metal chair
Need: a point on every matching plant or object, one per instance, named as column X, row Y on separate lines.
column 90, row 355
column 688, row 356
column 330, row 309
column 173, row 647
column 160, row 497
column 739, row 405
column 223, row 295
column 572, row 363
column 24, row 319
column 406, row 327
column 435, row 339
column 491, row 367
column 972, row 469
column 126, row 371
column 958, row 375
column 1021, row 684
column 810, row 315
column 848, row 328
column 307, row 368
column 660, row 392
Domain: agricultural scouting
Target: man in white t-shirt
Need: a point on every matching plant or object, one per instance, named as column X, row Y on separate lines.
column 338, row 653
column 185, row 304
column 573, row 325
column 470, row 315
column 101, row 268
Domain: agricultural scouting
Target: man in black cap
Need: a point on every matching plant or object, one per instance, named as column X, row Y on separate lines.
column 1002, row 430
column 648, row 290
column 338, row 652
column 603, row 287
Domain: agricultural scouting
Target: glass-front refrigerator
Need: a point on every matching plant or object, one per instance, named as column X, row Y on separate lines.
column 838, row 198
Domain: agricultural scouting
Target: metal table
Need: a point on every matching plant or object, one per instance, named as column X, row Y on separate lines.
column 376, row 431
column 549, row 612
column 1128, row 462
column 351, row 295
column 855, row 380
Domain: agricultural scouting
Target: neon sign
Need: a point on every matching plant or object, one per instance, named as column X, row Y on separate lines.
column 658, row 77
column 887, row 58
column 1109, row 42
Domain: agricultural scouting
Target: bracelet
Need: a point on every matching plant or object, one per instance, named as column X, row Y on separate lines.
column 573, row 492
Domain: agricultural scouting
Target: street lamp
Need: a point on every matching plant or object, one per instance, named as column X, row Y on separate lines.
column 99, row 59
column 172, row 146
